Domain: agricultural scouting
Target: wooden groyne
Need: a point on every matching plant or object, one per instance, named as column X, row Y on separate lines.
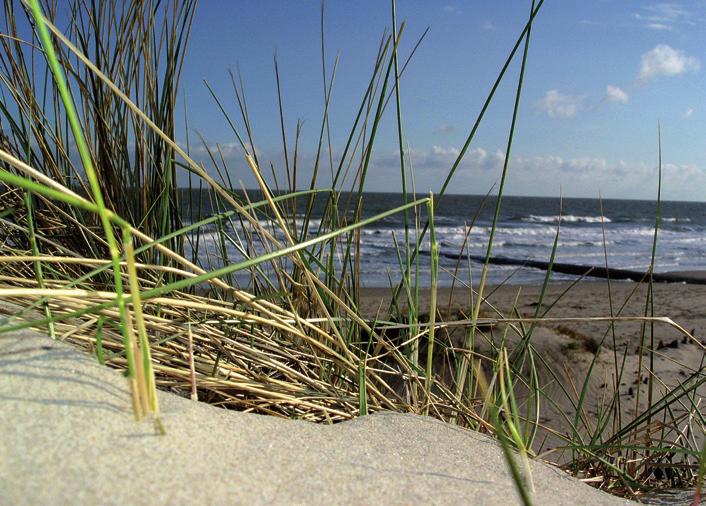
column 690, row 277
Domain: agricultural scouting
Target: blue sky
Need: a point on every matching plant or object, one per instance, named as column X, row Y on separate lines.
column 600, row 75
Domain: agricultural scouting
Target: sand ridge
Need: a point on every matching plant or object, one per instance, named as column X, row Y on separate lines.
column 67, row 437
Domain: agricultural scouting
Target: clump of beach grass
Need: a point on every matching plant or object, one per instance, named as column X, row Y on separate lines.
column 100, row 253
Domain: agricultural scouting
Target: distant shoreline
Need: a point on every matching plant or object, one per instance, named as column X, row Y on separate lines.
column 696, row 277
column 258, row 191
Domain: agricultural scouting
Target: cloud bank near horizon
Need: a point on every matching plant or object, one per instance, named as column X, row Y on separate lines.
column 480, row 170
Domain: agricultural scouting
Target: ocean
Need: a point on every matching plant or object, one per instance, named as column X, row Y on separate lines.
column 623, row 234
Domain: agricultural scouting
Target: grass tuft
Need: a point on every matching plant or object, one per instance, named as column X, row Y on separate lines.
column 252, row 299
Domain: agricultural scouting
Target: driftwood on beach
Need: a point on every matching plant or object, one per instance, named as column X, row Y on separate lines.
column 691, row 277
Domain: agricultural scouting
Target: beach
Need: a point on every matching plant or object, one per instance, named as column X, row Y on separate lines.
column 568, row 347
column 435, row 292
column 68, row 434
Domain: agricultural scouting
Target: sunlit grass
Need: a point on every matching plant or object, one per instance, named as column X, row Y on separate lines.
column 256, row 305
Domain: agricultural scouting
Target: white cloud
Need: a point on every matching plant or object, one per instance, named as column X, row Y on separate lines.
column 444, row 129
column 491, row 163
column 553, row 167
column 664, row 60
column 688, row 113
column 442, row 158
column 616, row 94
column 451, row 9
column 229, row 150
column 664, row 16
column 558, row 105
column 540, row 175
column 439, row 159
column 441, row 151
column 480, row 170
column 682, row 173
column 667, row 10
column 658, row 26
column 488, row 26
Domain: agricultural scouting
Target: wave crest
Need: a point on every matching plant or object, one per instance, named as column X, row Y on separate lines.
column 569, row 218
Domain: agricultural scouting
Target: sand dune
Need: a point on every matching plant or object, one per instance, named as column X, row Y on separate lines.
column 569, row 347
column 67, row 437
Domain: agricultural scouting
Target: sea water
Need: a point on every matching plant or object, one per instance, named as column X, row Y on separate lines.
column 590, row 232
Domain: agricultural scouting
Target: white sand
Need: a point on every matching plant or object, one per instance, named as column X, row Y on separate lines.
column 67, row 437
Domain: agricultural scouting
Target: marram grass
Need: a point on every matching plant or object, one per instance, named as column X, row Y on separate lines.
column 141, row 379
column 269, row 320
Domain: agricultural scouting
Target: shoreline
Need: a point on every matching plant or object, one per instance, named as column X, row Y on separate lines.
column 592, row 271
column 677, row 299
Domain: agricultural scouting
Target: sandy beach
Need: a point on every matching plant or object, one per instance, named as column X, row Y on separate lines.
column 181, row 262
column 569, row 347
column 69, row 437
